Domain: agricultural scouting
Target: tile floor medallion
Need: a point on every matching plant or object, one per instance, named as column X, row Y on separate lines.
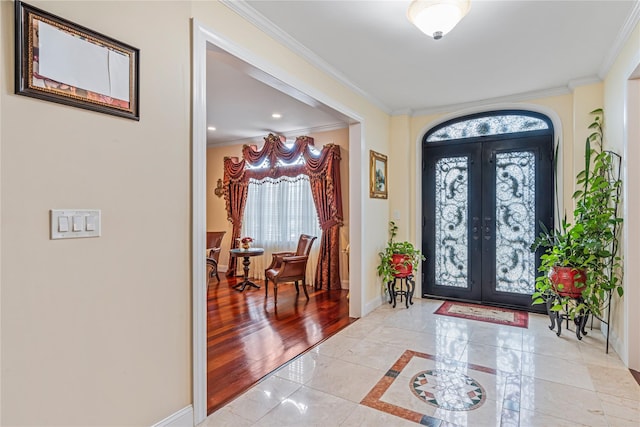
column 443, row 389
column 449, row 390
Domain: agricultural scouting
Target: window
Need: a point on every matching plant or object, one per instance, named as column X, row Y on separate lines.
column 276, row 213
column 497, row 124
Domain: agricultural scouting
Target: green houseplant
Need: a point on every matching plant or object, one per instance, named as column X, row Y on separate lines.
column 397, row 257
column 588, row 247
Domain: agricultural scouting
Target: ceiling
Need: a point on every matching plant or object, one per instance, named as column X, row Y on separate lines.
column 506, row 50
column 242, row 99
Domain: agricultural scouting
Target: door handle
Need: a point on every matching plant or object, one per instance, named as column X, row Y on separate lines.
column 487, row 228
column 475, row 235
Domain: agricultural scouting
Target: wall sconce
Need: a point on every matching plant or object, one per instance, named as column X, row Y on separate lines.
column 219, row 191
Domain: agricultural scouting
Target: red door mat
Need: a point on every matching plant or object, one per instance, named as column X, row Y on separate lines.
column 501, row 316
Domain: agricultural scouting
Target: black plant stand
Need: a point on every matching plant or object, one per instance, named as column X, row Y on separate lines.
column 407, row 292
column 556, row 318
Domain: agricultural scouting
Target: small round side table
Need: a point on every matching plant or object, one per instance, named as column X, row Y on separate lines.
column 246, row 254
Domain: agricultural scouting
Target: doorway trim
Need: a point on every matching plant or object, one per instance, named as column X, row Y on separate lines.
column 201, row 37
column 629, row 348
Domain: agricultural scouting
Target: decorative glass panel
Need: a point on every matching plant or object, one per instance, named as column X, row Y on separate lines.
column 515, row 222
column 452, row 207
column 491, row 125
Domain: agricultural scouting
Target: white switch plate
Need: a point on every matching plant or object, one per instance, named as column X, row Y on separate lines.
column 78, row 218
column 78, row 223
column 63, row 224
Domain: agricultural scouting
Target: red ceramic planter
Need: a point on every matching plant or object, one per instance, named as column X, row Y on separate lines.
column 571, row 279
column 403, row 270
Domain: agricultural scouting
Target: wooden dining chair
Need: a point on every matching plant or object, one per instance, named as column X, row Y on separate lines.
column 214, row 243
column 289, row 267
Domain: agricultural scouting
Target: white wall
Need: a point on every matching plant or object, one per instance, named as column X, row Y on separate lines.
column 97, row 331
column 618, row 92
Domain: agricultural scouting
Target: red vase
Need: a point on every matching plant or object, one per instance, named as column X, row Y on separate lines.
column 402, row 265
column 572, row 281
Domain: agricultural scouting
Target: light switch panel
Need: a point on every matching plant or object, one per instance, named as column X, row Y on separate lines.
column 90, row 223
column 69, row 223
column 63, row 224
column 78, row 223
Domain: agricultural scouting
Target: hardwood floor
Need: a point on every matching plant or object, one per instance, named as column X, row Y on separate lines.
column 248, row 337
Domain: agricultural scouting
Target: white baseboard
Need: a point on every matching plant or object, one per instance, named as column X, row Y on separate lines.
column 372, row 305
column 344, row 284
column 182, row 418
column 223, row 268
column 615, row 343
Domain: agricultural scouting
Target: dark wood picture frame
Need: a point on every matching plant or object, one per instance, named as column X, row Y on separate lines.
column 60, row 61
column 378, row 176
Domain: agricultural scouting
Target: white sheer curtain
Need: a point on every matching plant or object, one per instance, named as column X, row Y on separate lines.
column 275, row 215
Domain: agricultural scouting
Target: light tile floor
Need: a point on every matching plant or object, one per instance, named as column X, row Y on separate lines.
column 368, row 374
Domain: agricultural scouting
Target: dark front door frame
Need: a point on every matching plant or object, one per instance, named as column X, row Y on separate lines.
column 534, row 141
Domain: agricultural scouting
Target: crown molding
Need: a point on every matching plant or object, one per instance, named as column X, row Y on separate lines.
column 278, row 34
column 583, row 81
column 621, row 40
column 519, row 97
column 402, row 112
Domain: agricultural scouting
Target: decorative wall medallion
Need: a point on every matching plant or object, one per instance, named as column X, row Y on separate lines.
column 448, row 390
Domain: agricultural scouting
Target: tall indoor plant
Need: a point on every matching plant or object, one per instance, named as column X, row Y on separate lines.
column 588, row 248
column 397, row 258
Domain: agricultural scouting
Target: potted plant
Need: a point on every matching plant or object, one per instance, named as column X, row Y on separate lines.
column 564, row 263
column 580, row 262
column 398, row 259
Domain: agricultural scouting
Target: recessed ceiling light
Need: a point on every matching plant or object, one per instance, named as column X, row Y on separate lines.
column 211, row 128
column 276, row 115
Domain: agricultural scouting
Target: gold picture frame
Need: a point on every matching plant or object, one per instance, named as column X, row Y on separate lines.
column 63, row 62
column 378, row 178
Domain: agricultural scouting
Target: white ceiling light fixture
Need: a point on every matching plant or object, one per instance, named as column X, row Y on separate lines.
column 276, row 115
column 436, row 18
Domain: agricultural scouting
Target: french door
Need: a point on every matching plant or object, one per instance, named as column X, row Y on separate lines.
column 483, row 201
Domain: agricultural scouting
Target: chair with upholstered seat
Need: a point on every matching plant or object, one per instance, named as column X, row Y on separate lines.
column 214, row 243
column 289, row 267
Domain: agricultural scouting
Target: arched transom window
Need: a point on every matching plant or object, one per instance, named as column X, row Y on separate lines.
column 498, row 124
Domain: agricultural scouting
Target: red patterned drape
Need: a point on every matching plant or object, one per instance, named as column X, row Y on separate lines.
column 235, row 195
column 324, row 174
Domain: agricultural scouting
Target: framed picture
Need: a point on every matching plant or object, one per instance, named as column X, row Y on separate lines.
column 63, row 62
column 377, row 175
